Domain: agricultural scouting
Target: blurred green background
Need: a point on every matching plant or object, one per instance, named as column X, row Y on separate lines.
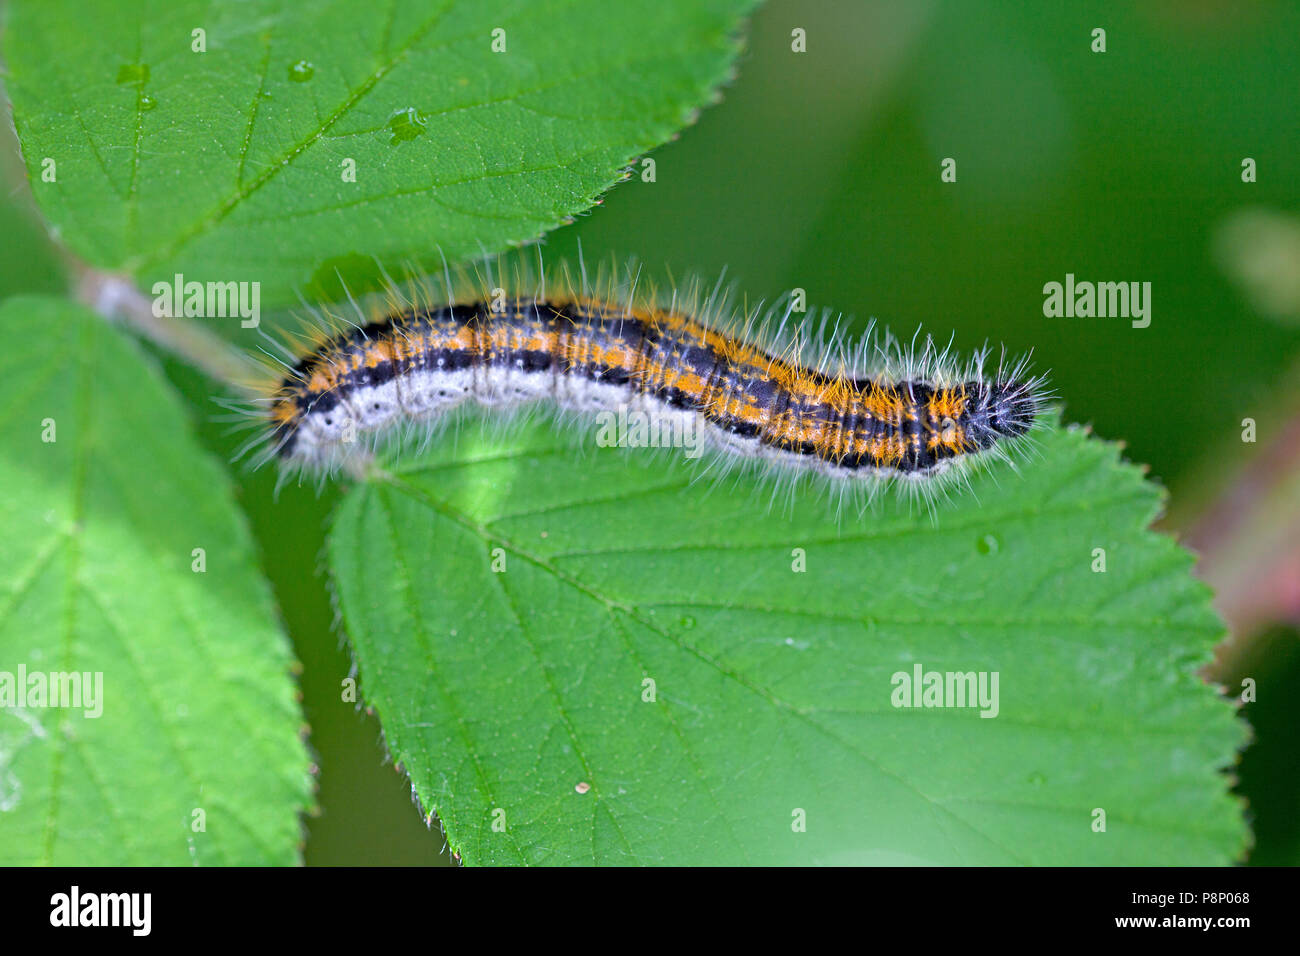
column 821, row 170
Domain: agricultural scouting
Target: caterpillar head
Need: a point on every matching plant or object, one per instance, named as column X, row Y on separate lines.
column 1000, row 410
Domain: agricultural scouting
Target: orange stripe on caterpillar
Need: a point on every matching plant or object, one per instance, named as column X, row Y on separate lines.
column 870, row 411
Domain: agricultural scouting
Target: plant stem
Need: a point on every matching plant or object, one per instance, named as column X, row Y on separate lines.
column 1249, row 545
column 117, row 299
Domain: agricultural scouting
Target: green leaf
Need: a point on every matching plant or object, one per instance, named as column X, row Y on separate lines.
column 501, row 691
column 98, row 576
column 229, row 164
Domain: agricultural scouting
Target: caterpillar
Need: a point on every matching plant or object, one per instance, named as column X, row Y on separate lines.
column 875, row 413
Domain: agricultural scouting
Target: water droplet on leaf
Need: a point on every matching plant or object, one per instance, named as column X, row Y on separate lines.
column 406, row 124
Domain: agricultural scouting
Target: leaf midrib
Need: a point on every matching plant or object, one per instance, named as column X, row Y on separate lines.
column 59, row 739
column 420, row 497
column 242, row 192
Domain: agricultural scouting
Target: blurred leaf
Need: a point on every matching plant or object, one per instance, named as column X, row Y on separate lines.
column 502, row 692
column 28, row 260
column 97, row 576
column 230, row 164
column 1259, row 249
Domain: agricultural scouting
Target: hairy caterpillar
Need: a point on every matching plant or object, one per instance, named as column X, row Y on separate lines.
column 875, row 414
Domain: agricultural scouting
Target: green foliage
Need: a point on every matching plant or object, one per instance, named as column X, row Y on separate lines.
column 231, row 163
column 508, row 600
column 576, row 658
column 97, row 575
